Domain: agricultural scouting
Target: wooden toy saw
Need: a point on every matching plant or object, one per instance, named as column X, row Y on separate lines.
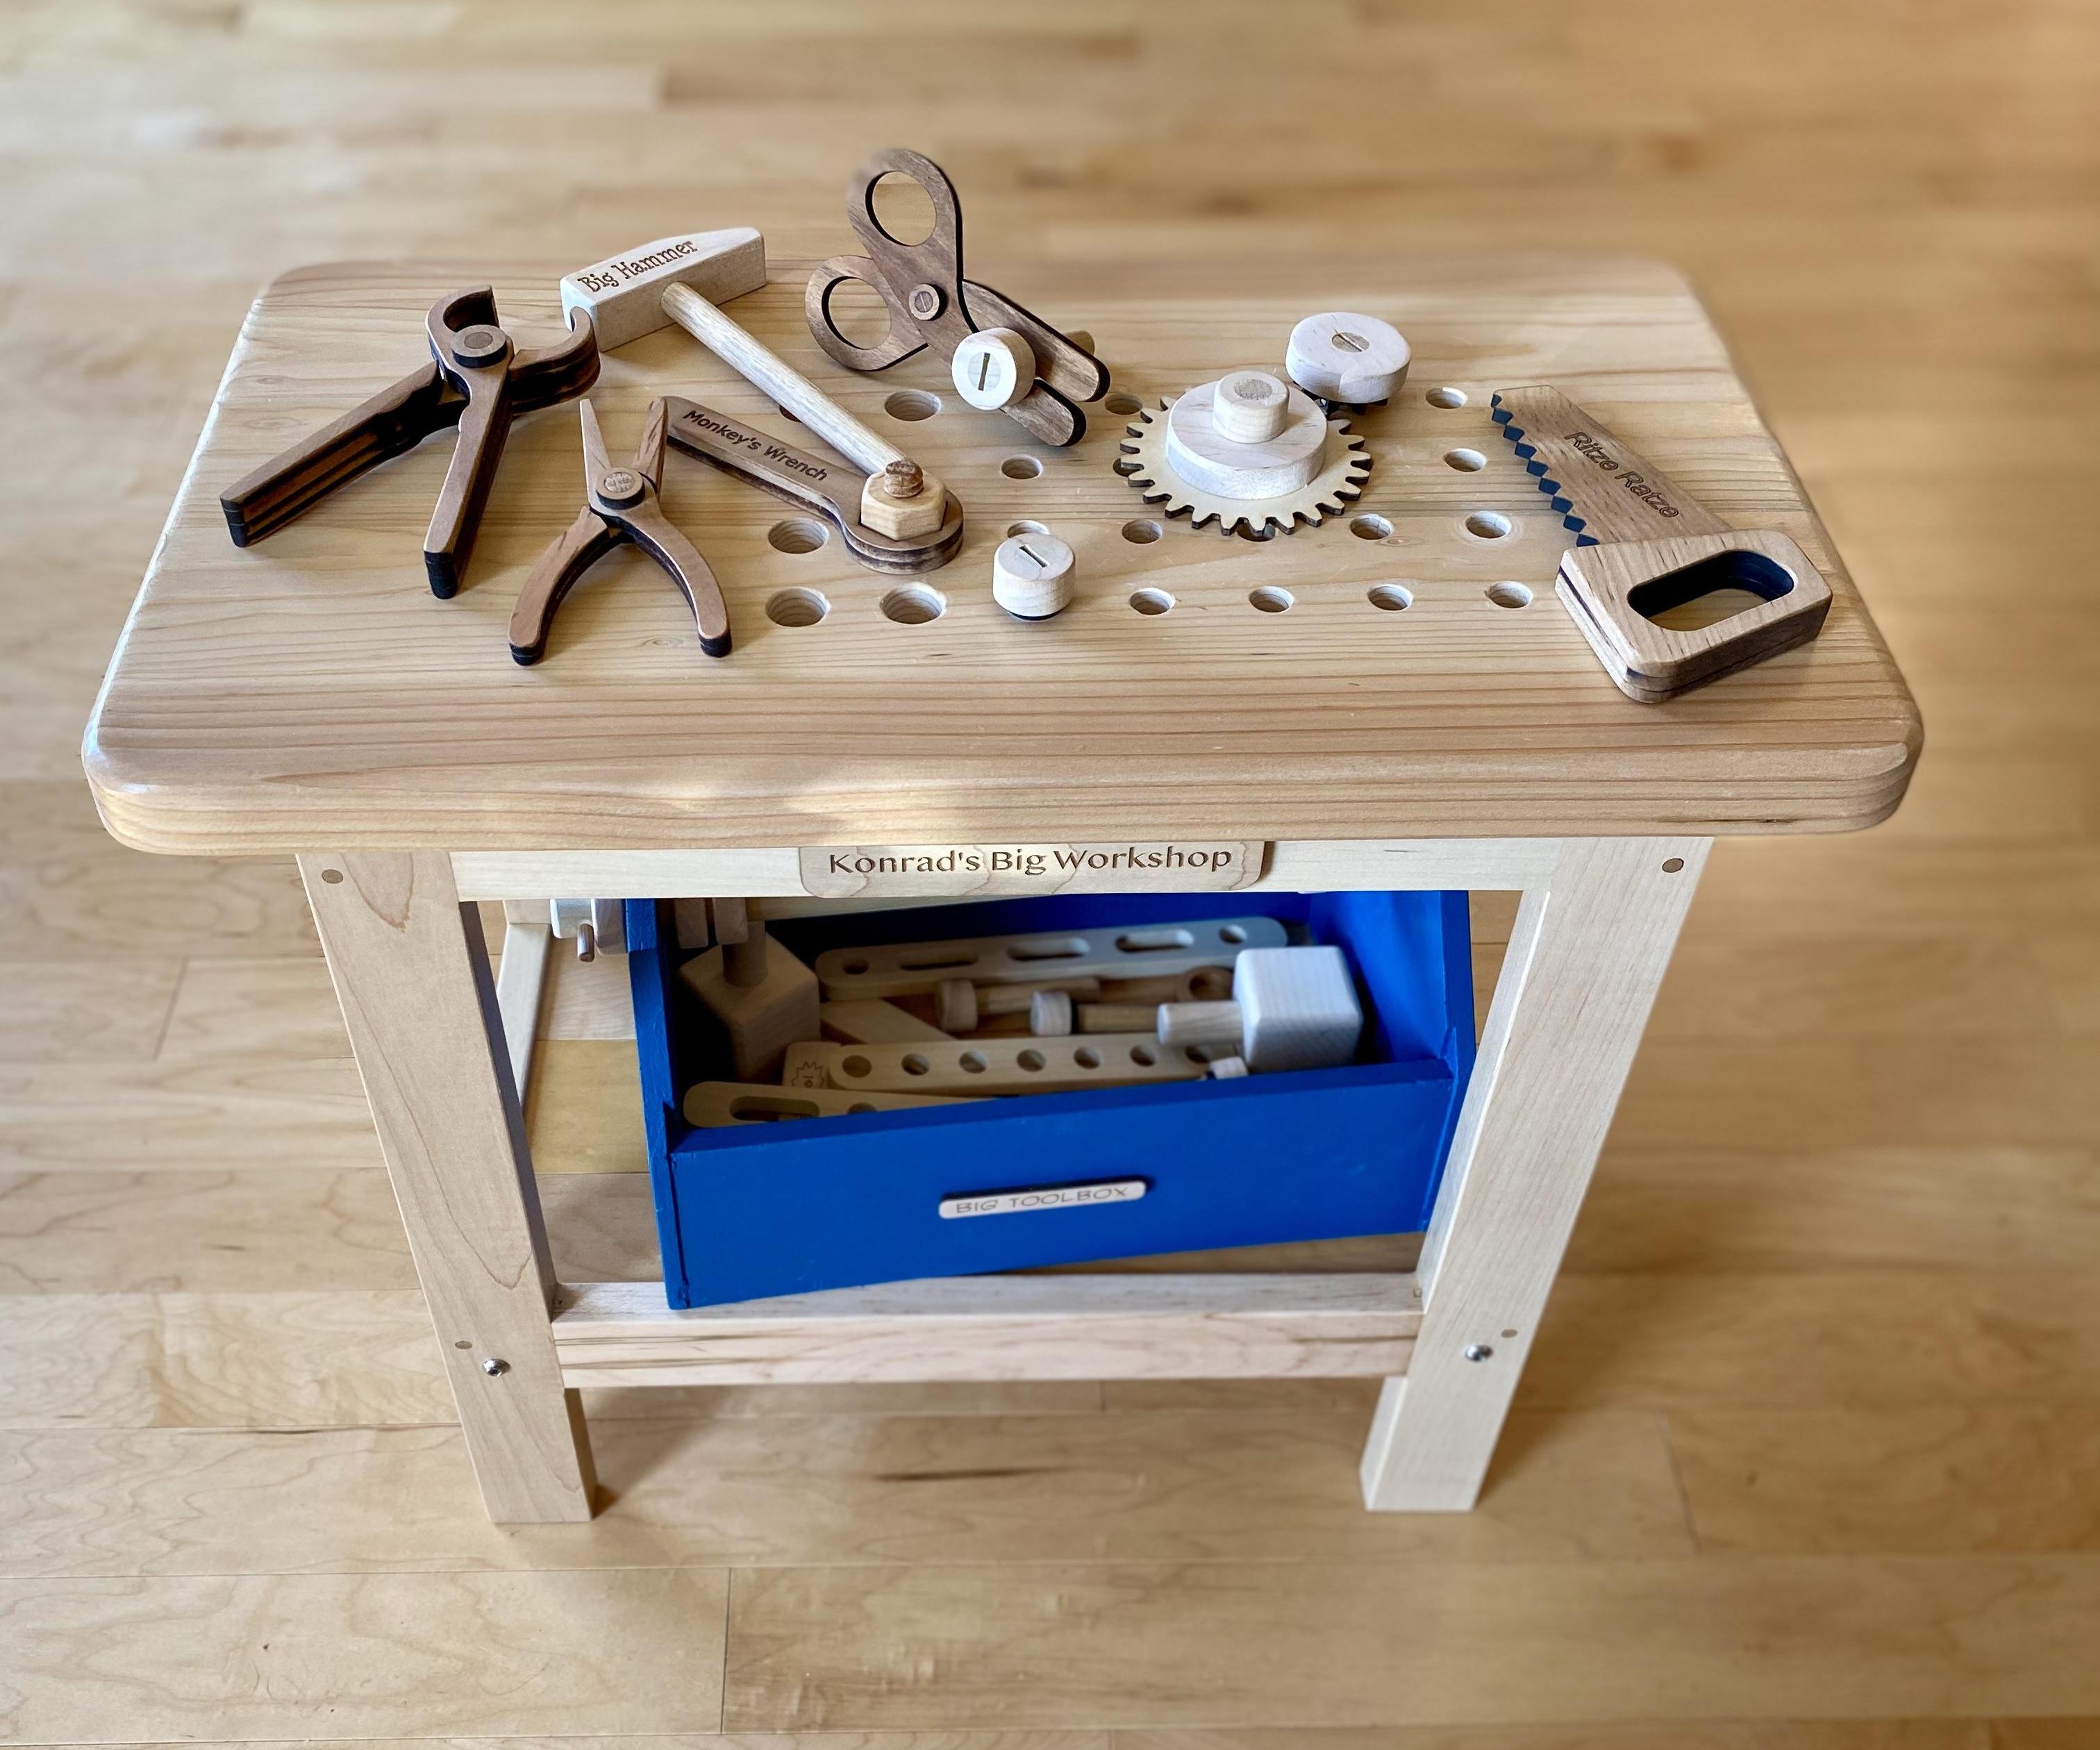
column 1644, row 546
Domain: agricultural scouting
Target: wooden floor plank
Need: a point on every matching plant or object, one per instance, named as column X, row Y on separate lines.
column 373, row 1654
column 1694, row 1206
column 1686, row 1734
column 1928, row 1478
column 75, row 1012
column 776, row 1489
column 846, row 1649
column 1885, row 1337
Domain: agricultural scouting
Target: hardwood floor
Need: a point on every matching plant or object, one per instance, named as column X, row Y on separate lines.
column 1809, row 1454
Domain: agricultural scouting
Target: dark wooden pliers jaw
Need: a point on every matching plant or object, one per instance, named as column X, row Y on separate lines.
column 622, row 504
column 475, row 380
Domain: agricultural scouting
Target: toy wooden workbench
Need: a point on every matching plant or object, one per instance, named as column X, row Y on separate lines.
column 1389, row 701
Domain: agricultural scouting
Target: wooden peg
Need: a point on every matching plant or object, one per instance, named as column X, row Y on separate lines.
column 1017, row 999
column 1292, row 1008
column 1249, row 407
column 955, row 1006
column 765, row 999
column 1050, row 1014
column 1199, row 984
column 1117, row 1017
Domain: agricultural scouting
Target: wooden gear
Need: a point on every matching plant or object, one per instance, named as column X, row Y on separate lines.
column 931, row 304
column 476, row 381
column 1334, row 480
column 1644, row 545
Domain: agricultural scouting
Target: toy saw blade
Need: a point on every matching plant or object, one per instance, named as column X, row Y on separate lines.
column 1604, row 489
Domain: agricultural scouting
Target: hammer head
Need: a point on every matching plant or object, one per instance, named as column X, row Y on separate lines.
column 625, row 293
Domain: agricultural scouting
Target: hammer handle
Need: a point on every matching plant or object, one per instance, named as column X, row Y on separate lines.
column 758, row 364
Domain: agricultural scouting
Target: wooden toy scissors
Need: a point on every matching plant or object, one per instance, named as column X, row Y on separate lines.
column 621, row 504
column 475, row 379
column 931, row 304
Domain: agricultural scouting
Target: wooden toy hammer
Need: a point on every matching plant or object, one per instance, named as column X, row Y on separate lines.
column 683, row 279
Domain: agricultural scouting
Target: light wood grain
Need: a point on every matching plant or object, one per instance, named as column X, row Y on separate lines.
column 411, row 971
column 1313, row 1644
column 800, row 1487
column 1950, row 1477
column 365, row 1653
column 201, row 743
column 1586, row 954
column 1042, row 1327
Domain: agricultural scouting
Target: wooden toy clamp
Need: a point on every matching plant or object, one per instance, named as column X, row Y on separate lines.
column 475, row 380
column 620, row 504
column 1000, row 355
column 1643, row 546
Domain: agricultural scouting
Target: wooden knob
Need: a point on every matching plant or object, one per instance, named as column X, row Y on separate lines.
column 955, row 1004
column 994, row 368
column 1031, row 576
column 1249, row 406
column 1050, row 1014
column 1215, row 1026
column 1340, row 355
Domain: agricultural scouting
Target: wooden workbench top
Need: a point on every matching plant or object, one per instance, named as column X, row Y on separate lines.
column 309, row 691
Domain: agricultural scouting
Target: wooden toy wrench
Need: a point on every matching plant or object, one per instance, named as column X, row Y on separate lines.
column 1643, row 546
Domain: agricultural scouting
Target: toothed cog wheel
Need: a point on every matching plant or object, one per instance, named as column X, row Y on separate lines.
column 1187, row 458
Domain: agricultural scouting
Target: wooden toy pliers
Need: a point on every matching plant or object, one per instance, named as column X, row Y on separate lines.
column 621, row 505
column 475, row 380
column 931, row 304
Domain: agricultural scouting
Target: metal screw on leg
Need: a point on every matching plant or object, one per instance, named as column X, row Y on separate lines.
column 495, row 1367
column 1477, row 1352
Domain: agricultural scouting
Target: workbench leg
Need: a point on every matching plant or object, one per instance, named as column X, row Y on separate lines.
column 1585, row 960
column 412, row 973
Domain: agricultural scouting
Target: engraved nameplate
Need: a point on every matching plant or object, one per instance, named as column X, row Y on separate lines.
column 1166, row 865
column 1043, row 1197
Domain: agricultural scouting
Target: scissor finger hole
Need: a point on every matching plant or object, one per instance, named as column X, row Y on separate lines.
column 857, row 313
column 902, row 211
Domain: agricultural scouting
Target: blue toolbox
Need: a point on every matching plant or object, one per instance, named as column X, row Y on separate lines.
column 751, row 1210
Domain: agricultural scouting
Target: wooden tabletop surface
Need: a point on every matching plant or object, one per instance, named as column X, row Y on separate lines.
column 309, row 692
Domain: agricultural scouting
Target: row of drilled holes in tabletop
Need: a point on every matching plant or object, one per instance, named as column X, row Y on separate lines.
column 919, row 604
